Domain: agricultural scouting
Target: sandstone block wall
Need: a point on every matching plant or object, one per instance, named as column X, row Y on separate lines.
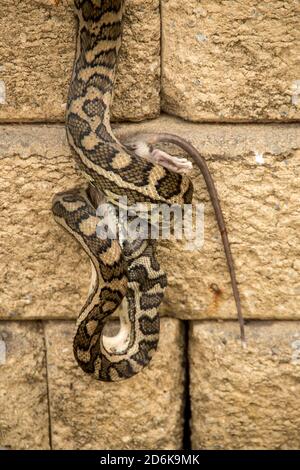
column 225, row 76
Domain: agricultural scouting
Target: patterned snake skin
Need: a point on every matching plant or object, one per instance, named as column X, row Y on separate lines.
column 128, row 274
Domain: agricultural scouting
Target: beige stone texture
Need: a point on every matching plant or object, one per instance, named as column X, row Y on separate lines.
column 144, row 412
column 245, row 399
column 34, row 280
column 231, row 60
column 44, row 274
column 37, row 46
column 24, row 422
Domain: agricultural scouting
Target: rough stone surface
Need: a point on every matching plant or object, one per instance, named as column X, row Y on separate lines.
column 137, row 89
column 145, row 412
column 35, row 279
column 24, row 422
column 231, row 61
column 37, row 47
column 256, row 170
column 245, row 399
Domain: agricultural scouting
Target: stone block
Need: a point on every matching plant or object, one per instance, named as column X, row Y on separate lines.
column 245, row 399
column 231, row 61
column 37, row 47
column 144, row 412
column 24, row 421
column 44, row 274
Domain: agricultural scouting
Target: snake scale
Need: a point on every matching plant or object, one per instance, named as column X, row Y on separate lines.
column 127, row 274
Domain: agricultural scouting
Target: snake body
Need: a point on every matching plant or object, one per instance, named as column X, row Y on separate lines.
column 127, row 275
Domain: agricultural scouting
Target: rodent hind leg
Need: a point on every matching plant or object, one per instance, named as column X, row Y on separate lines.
column 157, row 156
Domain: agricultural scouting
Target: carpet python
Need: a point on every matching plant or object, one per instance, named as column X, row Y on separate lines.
column 124, row 274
